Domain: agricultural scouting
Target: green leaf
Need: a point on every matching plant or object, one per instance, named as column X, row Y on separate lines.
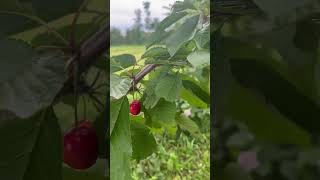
column 196, row 90
column 101, row 127
column 287, row 8
column 307, row 35
column 121, row 62
column 170, row 20
column 183, row 5
column 47, row 9
column 156, row 53
column 115, row 107
column 259, row 76
column 19, row 137
column 187, row 124
column 199, row 59
column 119, row 86
column 164, row 112
column 169, row 87
column 264, row 121
column 202, row 37
column 192, row 99
column 13, row 62
column 150, row 98
column 28, row 82
column 157, row 38
column 47, row 149
column 317, row 77
column 44, row 9
column 143, row 142
column 102, row 63
column 167, row 62
column 282, row 40
column 182, row 34
column 47, row 38
column 30, row 142
column 121, row 146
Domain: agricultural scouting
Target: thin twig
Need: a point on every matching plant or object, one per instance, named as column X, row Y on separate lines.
column 96, row 99
column 95, row 79
column 95, row 105
column 100, row 86
column 74, row 22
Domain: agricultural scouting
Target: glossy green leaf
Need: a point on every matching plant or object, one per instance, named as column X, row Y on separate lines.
column 43, row 9
column 29, row 142
column 263, row 120
column 187, row 124
column 47, row 149
column 150, row 98
column 19, row 137
column 196, row 90
column 164, row 112
column 169, row 87
column 156, row 53
column 115, row 108
column 121, row 62
column 28, row 82
column 101, row 127
column 285, row 8
column 259, row 76
column 121, row 145
column 119, row 86
column 47, row 9
column 192, row 99
column 184, row 33
column 199, row 59
column 143, row 142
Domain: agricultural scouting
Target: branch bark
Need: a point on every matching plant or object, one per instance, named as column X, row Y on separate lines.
column 87, row 55
column 138, row 77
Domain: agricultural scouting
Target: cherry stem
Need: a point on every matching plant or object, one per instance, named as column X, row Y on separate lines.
column 73, row 25
column 84, row 107
column 75, row 86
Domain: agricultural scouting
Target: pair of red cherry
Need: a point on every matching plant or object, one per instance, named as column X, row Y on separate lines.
column 81, row 142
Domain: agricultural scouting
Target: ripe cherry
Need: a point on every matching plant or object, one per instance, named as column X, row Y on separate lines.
column 81, row 146
column 135, row 107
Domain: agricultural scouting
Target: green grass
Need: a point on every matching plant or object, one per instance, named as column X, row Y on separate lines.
column 186, row 158
column 136, row 50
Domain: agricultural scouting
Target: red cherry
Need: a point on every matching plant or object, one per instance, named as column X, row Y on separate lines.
column 81, row 146
column 135, row 107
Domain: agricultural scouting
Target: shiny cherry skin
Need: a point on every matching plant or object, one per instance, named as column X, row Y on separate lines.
column 81, row 146
column 135, row 107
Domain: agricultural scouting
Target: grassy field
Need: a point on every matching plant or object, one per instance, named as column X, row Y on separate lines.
column 184, row 159
column 136, row 50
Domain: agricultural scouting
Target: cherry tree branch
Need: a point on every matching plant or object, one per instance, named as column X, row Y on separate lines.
column 146, row 70
column 87, row 55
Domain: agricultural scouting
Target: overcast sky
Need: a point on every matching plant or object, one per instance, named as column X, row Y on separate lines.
column 122, row 11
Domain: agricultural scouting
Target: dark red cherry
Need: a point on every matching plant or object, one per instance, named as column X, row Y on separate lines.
column 135, row 107
column 81, row 146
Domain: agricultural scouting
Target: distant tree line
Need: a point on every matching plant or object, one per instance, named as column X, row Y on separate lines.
column 140, row 29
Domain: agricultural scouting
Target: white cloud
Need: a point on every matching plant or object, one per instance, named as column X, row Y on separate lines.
column 122, row 11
